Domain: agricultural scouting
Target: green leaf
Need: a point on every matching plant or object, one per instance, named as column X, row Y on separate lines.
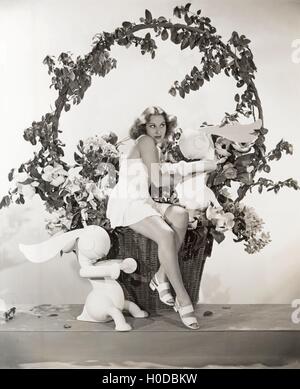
column 206, row 76
column 27, row 181
column 181, row 92
column 177, row 12
column 188, row 20
column 219, row 179
column 194, row 71
column 185, row 43
column 200, row 82
column 174, row 36
column 60, row 151
column 21, row 168
column 126, row 24
column 217, row 68
column 194, row 86
column 5, row 202
column 67, row 107
column 260, row 140
column 218, row 236
column 172, row 91
column 41, row 193
column 226, row 70
column 10, row 175
column 244, row 160
column 187, row 7
column 242, row 191
column 186, row 88
column 245, row 178
column 164, row 35
column 161, row 19
column 193, row 41
column 148, row 16
column 263, row 131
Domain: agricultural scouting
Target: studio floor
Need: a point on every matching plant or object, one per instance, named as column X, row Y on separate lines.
column 253, row 336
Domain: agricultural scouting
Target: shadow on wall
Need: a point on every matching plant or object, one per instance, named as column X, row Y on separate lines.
column 22, row 282
column 212, row 290
column 283, row 284
column 20, row 224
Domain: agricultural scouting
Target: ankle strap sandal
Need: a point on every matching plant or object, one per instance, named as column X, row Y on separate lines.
column 163, row 289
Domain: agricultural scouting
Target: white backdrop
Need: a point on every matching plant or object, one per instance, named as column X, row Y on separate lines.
column 31, row 29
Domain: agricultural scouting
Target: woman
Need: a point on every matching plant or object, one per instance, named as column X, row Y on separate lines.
column 130, row 204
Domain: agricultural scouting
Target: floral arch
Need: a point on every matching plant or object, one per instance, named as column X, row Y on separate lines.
column 47, row 175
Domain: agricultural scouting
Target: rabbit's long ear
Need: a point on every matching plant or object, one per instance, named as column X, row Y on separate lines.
column 240, row 133
column 42, row 252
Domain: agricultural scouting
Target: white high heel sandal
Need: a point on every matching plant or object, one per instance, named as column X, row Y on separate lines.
column 189, row 321
column 161, row 287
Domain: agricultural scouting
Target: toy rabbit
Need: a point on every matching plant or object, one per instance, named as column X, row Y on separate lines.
column 106, row 301
column 197, row 145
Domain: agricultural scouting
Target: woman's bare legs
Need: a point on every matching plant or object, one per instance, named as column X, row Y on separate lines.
column 155, row 228
column 177, row 218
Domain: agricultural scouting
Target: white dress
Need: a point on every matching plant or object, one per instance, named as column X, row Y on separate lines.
column 130, row 201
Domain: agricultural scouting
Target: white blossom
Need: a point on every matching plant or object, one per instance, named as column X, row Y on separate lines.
column 56, row 175
column 222, row 220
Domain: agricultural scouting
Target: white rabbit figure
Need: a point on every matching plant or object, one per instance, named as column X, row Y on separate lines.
column 197, row 144
column 191, row 189
column 106, row 301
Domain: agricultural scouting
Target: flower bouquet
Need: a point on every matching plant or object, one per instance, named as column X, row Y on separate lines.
column 74, row 196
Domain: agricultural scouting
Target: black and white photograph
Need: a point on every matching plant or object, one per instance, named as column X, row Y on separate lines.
column 149, row 185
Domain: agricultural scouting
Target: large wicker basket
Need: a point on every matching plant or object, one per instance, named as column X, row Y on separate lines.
column 192, row 256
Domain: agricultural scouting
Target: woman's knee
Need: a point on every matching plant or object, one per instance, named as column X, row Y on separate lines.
column 178, row 216
column 156, row 229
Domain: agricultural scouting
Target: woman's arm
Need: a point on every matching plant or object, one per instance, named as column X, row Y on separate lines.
column 184, row 168
column 150, row 157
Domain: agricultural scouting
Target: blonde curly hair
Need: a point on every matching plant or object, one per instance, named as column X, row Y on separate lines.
column 139, row 126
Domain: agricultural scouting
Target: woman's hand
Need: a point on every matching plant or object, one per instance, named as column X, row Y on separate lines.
column 210, row 165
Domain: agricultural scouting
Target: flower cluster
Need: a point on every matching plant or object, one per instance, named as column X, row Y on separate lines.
column 98, row 143
column 248, row 227
column 223, row 221
column 86, row 186
column 257, row 239
column 74, row 196
column 56, row 175
column 24, row 185
column 58, row 221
